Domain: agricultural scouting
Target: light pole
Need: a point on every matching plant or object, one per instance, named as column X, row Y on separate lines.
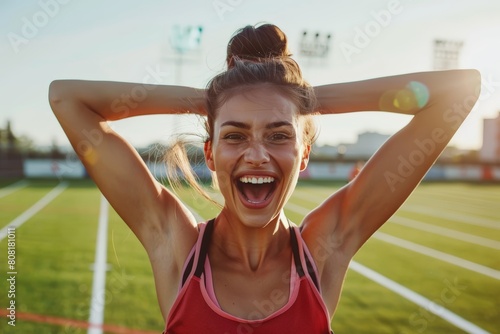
column 184, row 40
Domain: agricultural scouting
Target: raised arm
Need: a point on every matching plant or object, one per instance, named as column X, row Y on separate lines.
column 439, row 101
column 83, row 109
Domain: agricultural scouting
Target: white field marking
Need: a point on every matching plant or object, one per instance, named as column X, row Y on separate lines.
column 297, row 208
column 216, row 196
column 464, row 206
column 460, row 203
column 418, row 299
column 310, row 197
column 458, row 217
column 412, row 223
column 426, row 251
column 98, row 300
column 23, row 217
column 472, row 266
column 13, row 187
column 466, row 194
column 447, row 232
column 197, row 217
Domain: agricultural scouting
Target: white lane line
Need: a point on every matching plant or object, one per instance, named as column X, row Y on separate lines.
column 435, row 212
column 23, row 217
column 13, row 187
column 421, row 249
column 447, row 232
column 310, row 197
column 418, row 299
column 98, row 300
column 466, row 196
column 458, row 217
column 297, row 208
column 466, row 207
column 197, row 217
column 480, row 269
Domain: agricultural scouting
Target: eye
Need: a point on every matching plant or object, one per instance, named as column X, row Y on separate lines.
column 232, row 137
column 279, row 137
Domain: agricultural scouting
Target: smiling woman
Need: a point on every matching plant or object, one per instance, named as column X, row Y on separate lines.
column 249, row 270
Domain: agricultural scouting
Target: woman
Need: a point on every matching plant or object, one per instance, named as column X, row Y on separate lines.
column 248, row 270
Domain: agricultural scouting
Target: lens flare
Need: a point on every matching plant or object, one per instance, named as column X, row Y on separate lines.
column 413, row 97
column 421, row 93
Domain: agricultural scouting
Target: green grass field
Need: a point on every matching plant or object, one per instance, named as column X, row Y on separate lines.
column 55, row 250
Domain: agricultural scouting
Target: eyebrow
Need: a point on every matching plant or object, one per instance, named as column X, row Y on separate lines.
column 246, row 126
column 278, row 124
column 240, row 125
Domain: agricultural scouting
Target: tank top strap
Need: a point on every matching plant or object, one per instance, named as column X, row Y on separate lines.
column 205, row 242
column 296, row 252
column 197, row 250
column 301, row 257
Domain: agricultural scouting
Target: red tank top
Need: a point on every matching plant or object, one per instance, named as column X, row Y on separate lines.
column 194, row 311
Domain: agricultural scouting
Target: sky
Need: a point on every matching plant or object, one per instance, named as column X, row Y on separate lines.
column 126, row 40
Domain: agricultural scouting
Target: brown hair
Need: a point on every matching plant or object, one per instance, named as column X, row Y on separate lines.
column 255, row 55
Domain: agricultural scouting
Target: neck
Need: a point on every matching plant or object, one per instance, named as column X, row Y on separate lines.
column 250, row 246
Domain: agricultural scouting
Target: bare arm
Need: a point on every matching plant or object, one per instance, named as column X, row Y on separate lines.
column 83, row 109
column 439, row 101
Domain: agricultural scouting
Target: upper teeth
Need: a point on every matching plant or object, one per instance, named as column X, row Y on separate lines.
column 256, row 180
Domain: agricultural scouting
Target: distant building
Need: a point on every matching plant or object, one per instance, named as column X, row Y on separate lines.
column 365, row 146
column 490, row 151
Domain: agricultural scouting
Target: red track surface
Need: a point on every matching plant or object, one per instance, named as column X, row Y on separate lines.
column 47, row 319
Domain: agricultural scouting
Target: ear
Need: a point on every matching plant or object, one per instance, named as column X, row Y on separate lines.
column 305, row 157
column 207, row 150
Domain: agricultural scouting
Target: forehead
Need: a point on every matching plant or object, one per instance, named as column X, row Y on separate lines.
column 263, row 103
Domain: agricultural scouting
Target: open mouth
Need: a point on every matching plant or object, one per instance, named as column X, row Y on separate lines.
column 256, row 189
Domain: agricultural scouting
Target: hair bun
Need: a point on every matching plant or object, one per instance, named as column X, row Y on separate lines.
column 255, row 43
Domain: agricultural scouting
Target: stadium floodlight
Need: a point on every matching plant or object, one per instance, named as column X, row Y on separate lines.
column 183, row 40
column 315, row 45
column 447, row 54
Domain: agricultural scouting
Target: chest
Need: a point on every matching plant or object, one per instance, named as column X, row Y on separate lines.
column 253, row 295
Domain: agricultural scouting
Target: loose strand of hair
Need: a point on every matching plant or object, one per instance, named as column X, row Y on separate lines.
column 178, row 165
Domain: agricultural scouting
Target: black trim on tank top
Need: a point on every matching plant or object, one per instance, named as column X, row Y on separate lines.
column 298, row 263
column 207, row 236
column 295, row 252
column 189, row 266
column 203, row 251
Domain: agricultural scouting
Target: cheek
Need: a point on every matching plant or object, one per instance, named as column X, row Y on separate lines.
column 288, row 158
column 224, row 160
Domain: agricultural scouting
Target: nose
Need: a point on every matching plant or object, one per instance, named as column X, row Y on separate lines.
column 256, row 154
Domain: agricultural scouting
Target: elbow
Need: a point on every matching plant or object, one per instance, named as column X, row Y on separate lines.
column 471, row 84
column 464, row 88
column 472, row 88
column 59, row 91
column 475, row 76
column 56, row 93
